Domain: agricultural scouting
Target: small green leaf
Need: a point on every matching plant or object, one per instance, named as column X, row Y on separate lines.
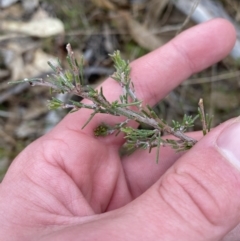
column 90, row 118
column 54, row 103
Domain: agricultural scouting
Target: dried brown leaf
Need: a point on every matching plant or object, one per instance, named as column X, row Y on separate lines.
column 145, row 38
column 105, row 4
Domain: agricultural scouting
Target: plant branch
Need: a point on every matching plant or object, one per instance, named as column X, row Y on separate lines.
column 127, row 105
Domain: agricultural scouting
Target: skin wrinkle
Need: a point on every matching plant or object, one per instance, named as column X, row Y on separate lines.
column 63, row 206
column 181, row 215
column 47, row 215
column 129, row 186
column 22, row 157
column 60, row 156
column 44, row 216
column 95, row 174
column 111, row 198
column 220, row 189
column 128, row 181
column 212, row 176
column 76, row 195
column 161, row 191
column 121, row 178
column 94, row 189
column 55, row 159
column 192, row 180
column 184, row 54
column 60, row 161
column 49, row 181
column 178, row 198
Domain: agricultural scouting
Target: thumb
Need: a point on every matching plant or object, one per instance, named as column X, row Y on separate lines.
column 198, row 198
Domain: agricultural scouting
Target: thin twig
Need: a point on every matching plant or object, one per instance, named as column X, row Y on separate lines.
column 203, row 117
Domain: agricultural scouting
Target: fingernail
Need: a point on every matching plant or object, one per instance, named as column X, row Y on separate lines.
column 229, row 143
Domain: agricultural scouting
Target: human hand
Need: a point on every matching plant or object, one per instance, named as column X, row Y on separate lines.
column 70, row 185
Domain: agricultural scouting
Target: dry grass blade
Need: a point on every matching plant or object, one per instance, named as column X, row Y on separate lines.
column 225, row 76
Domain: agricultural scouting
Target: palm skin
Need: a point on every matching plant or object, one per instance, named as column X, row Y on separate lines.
column 69, row 178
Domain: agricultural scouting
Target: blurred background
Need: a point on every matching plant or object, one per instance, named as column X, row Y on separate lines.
column 33, row 32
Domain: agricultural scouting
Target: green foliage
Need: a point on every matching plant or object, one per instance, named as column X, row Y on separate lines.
column 122, row 67
column 187, row 122
column 54, row 104
column 127, row 105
